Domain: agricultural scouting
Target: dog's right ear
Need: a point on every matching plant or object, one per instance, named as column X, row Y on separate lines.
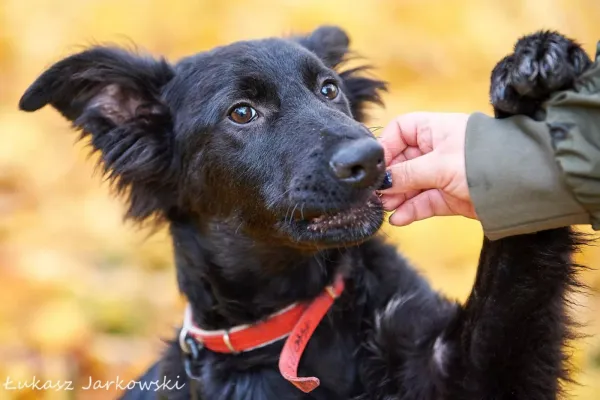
column 114, row 97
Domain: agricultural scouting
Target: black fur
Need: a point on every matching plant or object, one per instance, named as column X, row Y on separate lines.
column 541, row 64
column 237, row 199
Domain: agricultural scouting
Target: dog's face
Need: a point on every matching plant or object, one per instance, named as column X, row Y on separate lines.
column 260, row 134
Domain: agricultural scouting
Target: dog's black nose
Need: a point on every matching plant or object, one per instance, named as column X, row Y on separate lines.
column 359, row 162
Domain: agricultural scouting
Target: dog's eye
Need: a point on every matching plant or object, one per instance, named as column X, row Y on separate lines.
column 330, row 90
column 242, row 114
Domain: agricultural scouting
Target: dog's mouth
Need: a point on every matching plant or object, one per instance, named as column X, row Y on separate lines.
column 349, row 225
column 354, row 217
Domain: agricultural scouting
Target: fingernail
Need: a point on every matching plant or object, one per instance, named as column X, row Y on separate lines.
column 387, row 181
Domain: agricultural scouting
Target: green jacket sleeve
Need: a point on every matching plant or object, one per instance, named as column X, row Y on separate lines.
column 525, row 176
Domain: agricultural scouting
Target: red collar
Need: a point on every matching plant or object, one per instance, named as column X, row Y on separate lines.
column 296, row 322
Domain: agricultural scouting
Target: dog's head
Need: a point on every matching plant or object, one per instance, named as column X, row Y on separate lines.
column 262, row 134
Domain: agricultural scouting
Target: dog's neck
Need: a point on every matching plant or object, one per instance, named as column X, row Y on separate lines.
column 230, row 279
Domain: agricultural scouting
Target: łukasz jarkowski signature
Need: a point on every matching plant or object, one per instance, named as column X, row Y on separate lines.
column 91, row 384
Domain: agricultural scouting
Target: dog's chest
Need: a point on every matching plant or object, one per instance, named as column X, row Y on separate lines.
column 331, row 357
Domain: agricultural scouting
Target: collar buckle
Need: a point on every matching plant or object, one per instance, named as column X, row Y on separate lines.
column 191, row 358
column 190, row 346
column 184, row 333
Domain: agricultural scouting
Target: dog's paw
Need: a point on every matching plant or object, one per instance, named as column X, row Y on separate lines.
column 542, row 63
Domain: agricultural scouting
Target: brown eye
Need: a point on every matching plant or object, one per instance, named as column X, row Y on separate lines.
column 242, row 114
column 330, row 90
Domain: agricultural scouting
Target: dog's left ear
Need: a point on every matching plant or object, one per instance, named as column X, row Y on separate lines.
column 331, row 44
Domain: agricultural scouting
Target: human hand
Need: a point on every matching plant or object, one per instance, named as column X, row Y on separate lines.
column 425, row 154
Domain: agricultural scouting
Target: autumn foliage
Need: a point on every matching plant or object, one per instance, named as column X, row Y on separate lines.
column 83, row 294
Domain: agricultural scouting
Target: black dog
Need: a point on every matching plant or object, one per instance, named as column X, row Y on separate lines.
column 254, row 156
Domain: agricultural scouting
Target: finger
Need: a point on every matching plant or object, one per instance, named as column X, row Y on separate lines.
column 400, row 157
column 420, row 173
column 425, row 205
column 412, row 152
column 407, row 154
column 404, row 131
column 392, row 141
column 411, row 194
column 391, row 202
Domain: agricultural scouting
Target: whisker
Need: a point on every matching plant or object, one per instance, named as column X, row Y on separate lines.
column 319, row 263
column 286, row 213
column 292, row 214
column 374, row 129
column 238, row 228
column 279, row 197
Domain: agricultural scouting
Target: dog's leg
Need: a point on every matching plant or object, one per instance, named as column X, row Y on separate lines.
column 508, row 340
column 512, row 333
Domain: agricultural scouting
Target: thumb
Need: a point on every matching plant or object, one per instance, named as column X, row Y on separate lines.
column 419, row 173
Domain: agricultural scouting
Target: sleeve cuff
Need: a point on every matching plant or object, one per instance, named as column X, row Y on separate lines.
column 573, row 121
column 514, row 181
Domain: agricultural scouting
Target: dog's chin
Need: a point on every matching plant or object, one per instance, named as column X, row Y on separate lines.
column 337, row 228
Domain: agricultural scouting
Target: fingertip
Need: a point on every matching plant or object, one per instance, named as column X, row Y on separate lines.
column 389, row 132
column 392, row 141
column 404, row 215
column 387, row 181
column 398, row 220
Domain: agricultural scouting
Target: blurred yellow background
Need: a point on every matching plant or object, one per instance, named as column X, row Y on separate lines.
column 83, row 294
